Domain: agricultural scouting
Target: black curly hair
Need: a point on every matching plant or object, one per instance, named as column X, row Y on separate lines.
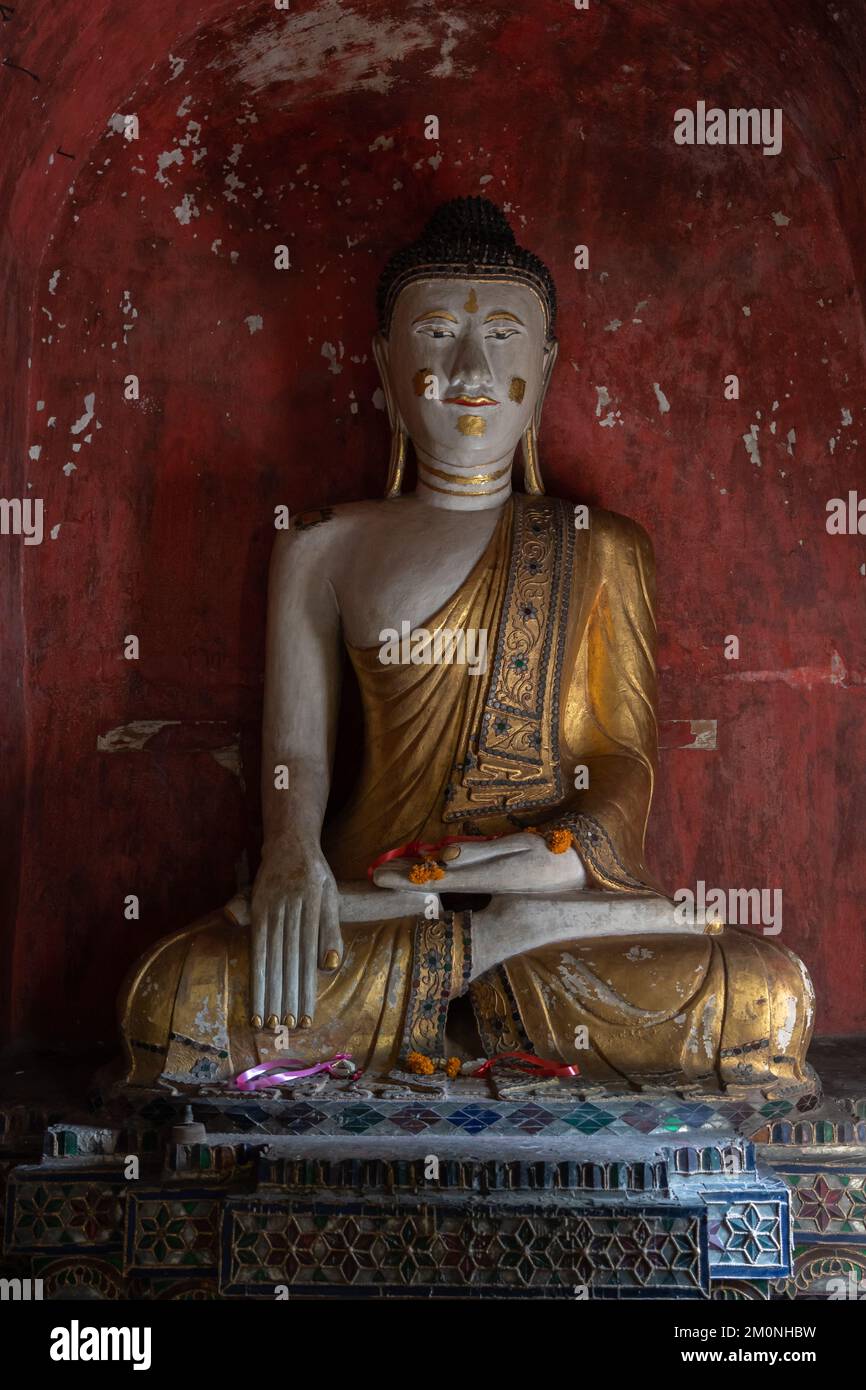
column 466, row 236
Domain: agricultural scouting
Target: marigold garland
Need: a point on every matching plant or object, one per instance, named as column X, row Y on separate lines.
column 558, row 841
column 425, row 871
column 419, row 1065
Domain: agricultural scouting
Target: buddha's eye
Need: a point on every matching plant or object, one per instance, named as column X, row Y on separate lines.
column 500, row 334
column 436, row 332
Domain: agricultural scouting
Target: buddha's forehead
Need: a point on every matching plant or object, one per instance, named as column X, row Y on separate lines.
column 467, row 298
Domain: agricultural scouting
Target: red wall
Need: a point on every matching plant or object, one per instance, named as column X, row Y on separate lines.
column 565, row 117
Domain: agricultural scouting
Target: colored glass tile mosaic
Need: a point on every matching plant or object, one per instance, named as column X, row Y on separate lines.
column 588, row 1119
column 169, row 1234
column 50, row 1214
column 431, row 1248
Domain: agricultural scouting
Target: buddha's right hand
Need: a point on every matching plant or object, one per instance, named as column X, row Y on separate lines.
column 295, row 932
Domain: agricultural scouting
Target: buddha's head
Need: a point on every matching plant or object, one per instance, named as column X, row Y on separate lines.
column 465, row 345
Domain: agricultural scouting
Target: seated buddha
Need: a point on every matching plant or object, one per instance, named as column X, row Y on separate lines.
column 525, row 775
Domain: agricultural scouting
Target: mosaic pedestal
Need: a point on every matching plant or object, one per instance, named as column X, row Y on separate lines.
column 346, row 1192
column 439, row 1191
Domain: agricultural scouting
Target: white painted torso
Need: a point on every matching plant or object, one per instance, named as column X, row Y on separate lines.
column 400, row 561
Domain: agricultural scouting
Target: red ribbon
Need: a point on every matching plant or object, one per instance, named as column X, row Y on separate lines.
column 525, row 1061
column 423, row 848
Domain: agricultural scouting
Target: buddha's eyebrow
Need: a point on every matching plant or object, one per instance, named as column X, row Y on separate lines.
column 435, row 314
column 504, row 314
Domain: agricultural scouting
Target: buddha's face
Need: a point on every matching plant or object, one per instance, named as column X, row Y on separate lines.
column 465, row 364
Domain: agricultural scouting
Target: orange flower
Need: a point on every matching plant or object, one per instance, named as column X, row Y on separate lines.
column 558, row 841
column 419, row 1065
column 423, row 872
column 452, row 1067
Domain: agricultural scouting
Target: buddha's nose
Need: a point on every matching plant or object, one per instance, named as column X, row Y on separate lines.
column 470, row 368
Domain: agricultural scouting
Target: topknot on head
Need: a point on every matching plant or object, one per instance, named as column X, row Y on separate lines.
column 469, row 220
column 470, row 237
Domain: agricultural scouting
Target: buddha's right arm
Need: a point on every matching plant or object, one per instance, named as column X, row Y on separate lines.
column 302, row 678
column 295, row 906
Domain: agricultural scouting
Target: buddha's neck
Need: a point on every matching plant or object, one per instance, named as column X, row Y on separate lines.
column 465, row 489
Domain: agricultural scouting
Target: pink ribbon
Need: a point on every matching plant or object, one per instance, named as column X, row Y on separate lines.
column 272, row 1073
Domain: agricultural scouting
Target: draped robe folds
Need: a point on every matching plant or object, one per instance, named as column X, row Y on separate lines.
column 569, row 684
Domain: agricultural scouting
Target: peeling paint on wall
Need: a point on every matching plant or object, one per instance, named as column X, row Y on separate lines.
column 700, row 734
column 807, row 677
column 751, row 442
column 84, row 420
column 136, row 735
column 361, row 51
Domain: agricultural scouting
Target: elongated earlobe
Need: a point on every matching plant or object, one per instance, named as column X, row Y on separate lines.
column 532, row 481
column 397, row 457
column 396, row 463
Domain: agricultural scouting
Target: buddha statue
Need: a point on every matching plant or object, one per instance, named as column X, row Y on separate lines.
column 503, row 645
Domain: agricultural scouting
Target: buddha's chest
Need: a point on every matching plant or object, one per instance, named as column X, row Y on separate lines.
column 406, row 572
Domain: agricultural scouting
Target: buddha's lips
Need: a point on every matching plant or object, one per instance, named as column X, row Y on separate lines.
column 470, row 400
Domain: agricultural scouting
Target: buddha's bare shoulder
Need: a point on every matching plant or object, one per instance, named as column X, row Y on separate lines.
column 319, row 535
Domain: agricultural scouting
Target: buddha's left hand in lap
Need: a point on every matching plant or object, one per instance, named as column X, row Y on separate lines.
column 519, row 863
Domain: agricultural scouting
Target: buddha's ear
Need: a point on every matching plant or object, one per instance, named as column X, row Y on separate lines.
column 399, row 435
column 381, row 352
column 550, row 351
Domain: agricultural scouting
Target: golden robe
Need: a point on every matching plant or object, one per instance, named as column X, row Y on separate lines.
column 570, row 683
